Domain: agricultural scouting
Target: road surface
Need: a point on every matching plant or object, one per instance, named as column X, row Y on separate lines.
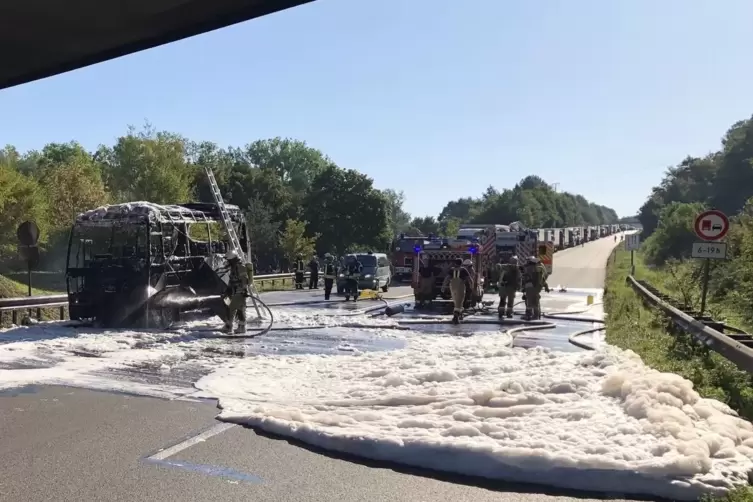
column 68, row 444
column 582, row 267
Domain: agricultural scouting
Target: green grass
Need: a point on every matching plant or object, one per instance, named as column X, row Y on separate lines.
column 744, row 494
column 11, row 287
column 630, row 325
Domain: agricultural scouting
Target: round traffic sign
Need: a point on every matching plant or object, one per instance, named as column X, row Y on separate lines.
column 711, row 225
column 28, row 233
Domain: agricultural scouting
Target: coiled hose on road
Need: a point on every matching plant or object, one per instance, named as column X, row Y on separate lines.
column 403, row 325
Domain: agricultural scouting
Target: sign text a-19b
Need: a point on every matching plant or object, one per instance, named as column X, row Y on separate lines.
column 632, row 242
column 711, row 250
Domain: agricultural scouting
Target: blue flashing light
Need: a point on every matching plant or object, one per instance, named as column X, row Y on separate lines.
column 473, row 249
column 417, row 249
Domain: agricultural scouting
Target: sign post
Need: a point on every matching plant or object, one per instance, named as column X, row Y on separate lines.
column 28, row 236
column 632, row 242
column 711, row 226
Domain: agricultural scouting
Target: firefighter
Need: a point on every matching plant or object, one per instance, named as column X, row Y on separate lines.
column 426, row 277
column 459, row 280
column 353, row 270
column 236, row 292
column 534, row 279
column 314, row 277
column 330, row 273
column 509, row 283
column 298, row 269
column 468, row 265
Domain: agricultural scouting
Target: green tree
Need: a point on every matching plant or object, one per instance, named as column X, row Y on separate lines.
column 294, row 242
column 72, row 188
column 150, row 166
column 264, row 233
column 450, row 227
column 426, row 225
column 21, row 199
column 674, row 236
column 399, row 220
column 343, row 207
column 294, row 162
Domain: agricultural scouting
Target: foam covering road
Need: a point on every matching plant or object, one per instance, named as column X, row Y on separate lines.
column 67, row 443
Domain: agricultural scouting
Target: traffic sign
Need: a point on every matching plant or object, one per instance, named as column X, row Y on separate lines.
column 27, row 233
column 632, row 242
column 710, row 250
column 711, row 225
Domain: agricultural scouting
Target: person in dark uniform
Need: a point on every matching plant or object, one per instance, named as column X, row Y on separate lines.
column 236, row 293
column 353, row 269
column 427, row 276
column 299, row 268
column 330, row 273
column 314, row 269
column 458, row 279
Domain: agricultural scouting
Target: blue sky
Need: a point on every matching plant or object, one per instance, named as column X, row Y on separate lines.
column 438, row 98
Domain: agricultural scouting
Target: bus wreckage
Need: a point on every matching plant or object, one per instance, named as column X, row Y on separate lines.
column 140, row 264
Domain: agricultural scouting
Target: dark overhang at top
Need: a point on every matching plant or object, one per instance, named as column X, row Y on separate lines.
column 41, row 38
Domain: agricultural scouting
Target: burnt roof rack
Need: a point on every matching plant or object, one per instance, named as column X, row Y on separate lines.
column 142, row 211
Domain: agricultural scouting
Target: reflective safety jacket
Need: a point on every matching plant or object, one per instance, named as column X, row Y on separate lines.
column 457, row 273
column 535, row 276
column 238, row 280
column 509, row 276
column 299, row 266
column 353, row 271
column 330, row 271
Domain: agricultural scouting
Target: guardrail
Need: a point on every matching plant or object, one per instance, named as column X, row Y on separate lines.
column 736, row 345
column 39, row 304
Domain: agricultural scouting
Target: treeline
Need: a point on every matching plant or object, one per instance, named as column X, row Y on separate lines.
column 533, row 202
column 296, row 199
column 721, row 180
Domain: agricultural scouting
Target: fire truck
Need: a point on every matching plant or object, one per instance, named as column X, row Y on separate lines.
column 500, row 243
column 441, row 254
column 402, row 254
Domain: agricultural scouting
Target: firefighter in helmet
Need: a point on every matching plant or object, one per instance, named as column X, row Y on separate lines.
column 459, row 280
column 330, row 272
column 353, row 270
column 534, row 279
column 426, row 279
column 509, row 283
column 236, row 292
column 299, row 268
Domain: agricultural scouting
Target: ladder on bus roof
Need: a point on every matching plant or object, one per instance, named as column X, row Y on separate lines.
column 235, row 243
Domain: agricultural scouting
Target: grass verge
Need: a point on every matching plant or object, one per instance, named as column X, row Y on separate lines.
column 630, row 325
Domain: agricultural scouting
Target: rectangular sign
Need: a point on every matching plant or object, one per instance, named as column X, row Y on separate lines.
column 632, row 242
column 713, row 250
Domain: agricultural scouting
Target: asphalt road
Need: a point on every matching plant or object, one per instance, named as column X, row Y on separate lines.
column 67, row 444
column 582, row 267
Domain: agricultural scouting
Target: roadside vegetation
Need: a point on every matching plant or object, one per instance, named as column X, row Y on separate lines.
column 296, row 198
column 630, row 325
column 720, row 180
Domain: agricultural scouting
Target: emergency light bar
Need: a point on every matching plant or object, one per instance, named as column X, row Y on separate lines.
column 470, row 246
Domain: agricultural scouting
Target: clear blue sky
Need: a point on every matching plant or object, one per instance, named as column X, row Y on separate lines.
column 438, row 98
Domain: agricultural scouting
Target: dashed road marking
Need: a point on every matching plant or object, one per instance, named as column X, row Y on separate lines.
column 194, row 440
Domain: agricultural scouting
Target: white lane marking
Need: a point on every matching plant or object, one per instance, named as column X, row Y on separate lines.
column 192, row 441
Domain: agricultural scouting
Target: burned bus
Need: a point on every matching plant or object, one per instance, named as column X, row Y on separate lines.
column 140, row 264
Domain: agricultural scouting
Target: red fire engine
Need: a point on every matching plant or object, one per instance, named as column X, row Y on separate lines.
column 440, row 255
column 402, row 256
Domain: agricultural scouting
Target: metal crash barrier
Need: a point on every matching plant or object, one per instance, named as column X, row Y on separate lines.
column 55, row 307
column 732, row 343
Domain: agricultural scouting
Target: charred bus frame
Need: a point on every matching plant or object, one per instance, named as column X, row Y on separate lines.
column 165, row 273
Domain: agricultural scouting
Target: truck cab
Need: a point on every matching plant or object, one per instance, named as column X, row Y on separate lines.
column 440, row 256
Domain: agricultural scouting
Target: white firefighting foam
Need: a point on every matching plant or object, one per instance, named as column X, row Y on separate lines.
column 592, row 421
column 597, row 421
